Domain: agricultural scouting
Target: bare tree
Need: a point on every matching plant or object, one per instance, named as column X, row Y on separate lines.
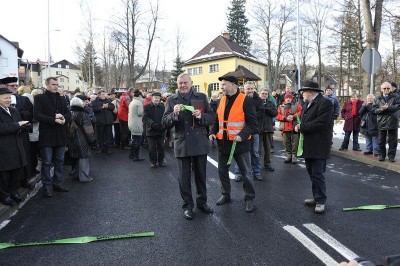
column 272, row 24
column 128, row 30
column 316, row 19
column 372, row 26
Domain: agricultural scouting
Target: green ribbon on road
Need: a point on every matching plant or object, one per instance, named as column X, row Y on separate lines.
column 371, row 207
column 75, row 240
column 301, row 140
column 232, row 152
column 187, row 108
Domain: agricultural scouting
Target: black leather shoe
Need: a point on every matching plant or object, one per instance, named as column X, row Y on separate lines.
column 60, row 188
column 224, row 200
column 47, row 192
column 163, row 164
column 205, row 208
column 7, row 201
column 16, row 197
column 367, row 152
column 381, row 159
column 249, row 206
column 137, row 159
column 188, row 214
column 269, row 168
column 342, row 149
column 257, row 177
column 26, row 184
column 391, row 160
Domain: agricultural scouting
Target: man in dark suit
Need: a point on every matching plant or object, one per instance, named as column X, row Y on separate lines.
column 190, row 142
column 316, row 127
column 51, row 111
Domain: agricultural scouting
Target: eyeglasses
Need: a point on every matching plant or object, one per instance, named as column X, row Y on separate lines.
column 263, row 93
column 13, row 85
column 386, row 88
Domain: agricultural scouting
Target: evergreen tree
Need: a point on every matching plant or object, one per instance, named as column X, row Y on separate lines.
column 237, row 23
column 178, row 64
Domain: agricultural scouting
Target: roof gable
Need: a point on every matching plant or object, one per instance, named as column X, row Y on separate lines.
column 64, row 63
column 221, row 47
column 20, row 52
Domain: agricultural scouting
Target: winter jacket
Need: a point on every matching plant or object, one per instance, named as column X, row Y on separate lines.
column 46, row 106
column 104, row 116
column 336, row 106
column 135, row 123
column 190, row 137
column 12, row 152
column 83, row 137
column 285, row 110
column 387, row 119
column 124, row 107
column 371, row 122
column 152, row 118
column 269, row 111
column 351, row 123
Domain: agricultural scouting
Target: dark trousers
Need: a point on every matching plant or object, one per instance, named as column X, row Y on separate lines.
column 316, row 169
column 104, row 136
column 117, row 135
column 346, row 140
column 35, row 154
column 391, row 135
column 266, row 144
column 125, row 133
column 156, row 149
column 185, row 180
column 244, row 163
column 9, row 182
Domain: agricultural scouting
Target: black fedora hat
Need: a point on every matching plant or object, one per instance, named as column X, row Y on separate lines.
column 310, row 86
column 8, row 80
column 5, row 91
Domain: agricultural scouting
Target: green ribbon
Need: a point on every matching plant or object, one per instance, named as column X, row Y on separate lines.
column 187, row 108
column 301, row 140
column 232, row 152
column 75, row 240
column 371, row 207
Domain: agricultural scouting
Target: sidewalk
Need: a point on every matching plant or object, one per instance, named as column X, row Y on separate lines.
column 357, row 155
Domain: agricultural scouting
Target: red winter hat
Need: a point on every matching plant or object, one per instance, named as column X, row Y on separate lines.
column 288, row 95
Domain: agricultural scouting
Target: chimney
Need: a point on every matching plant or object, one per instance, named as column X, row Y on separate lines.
column 226, row 35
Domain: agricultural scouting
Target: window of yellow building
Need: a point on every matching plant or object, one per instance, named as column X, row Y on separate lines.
column 196, row 88
column 214, row 86
column 214, row 68
column 195, row 71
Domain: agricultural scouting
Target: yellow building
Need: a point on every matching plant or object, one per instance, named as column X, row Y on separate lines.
column 220, row 57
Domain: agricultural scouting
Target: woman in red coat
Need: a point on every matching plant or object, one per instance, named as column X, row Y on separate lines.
column 352, row 121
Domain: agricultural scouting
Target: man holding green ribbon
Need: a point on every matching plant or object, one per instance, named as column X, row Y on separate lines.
column 236, row 122
column 316, row 128
column 189, row 112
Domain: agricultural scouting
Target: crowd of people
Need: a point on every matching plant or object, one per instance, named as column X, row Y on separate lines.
column 239, row 121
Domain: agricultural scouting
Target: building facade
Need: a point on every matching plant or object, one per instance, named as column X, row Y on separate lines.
column 9, row 55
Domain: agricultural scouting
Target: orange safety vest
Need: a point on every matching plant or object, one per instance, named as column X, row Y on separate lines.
column 236, row 120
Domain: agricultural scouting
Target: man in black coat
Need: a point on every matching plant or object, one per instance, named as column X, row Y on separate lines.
column 316, row 127
column 236, row 122
column 155, row 132
column 12, row 152
column 51, row 111
column 103, row 110
column 191, row 145
column 25, row 109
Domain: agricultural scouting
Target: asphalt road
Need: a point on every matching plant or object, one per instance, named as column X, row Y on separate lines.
column 127, row 197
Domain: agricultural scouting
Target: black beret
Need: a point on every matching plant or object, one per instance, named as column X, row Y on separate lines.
column 310, row 86
column 82, row 97
column 5, row 91
column 229, row 78
column 156, row 94
column 8, row 80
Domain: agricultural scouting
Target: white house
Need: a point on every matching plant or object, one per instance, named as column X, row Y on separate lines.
column 9, row 54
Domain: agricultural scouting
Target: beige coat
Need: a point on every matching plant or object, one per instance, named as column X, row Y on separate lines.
column 135, row 114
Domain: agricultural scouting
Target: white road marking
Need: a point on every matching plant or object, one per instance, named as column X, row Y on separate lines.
column 4, row 223
column 336, row 245
column 213, row 162
column 310, row 245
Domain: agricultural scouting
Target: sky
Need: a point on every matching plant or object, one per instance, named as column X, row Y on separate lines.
column 199, row 22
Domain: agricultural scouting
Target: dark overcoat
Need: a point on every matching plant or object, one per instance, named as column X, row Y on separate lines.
column 46, row 106
column 316, row 126
column 152, row 118
column 351, row 123
column 80, row 141
column 387, row 119
column 103, row 116
column 12, row 152
column 371, row 122
column 190, row 137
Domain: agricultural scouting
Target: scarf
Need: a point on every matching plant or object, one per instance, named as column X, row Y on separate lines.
column 354, row 108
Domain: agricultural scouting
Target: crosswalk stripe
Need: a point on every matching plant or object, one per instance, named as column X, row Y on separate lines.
column 213, row 162
column 339, row 247
column 310, row 245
